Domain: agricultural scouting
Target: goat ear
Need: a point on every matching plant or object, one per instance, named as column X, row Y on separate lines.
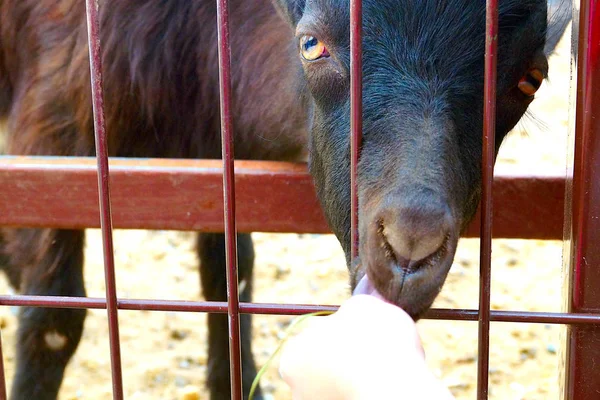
column 291, row 10
column 560, row 13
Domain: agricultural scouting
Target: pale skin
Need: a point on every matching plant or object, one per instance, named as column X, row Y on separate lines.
column 368, row 349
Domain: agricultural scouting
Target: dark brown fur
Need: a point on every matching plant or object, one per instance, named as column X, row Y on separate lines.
column 419, row 175
column 160, row 79
column 161, row 94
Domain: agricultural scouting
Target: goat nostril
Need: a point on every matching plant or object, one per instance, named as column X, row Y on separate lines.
column 390, row 253
column 408, row 251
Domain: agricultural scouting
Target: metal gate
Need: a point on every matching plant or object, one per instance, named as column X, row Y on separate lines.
column 23, row 177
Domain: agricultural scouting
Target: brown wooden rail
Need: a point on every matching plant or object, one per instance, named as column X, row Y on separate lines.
column 187, row 195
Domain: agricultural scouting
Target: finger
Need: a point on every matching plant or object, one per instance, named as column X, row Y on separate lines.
column 300, row 349
column 371, row 314
column 308, row 369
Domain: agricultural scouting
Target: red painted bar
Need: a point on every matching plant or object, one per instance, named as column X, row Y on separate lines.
column 235, row 358
column 104, row 194
column 489, row 134
column 187, row 195
column 285, row 309
column 527, row 317
column 355, row 114
column 583, row 260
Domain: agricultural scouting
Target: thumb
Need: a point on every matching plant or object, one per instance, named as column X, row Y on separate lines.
column 307, row 363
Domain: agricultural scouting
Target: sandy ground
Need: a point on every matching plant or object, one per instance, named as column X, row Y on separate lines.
column 164, row 353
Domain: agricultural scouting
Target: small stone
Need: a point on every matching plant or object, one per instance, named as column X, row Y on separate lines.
column 283, row 325
column 512, row 262
column 178, row 334
column 456, row 384
column 190, row 392
column 467, row 359
column 528, row 353
column 180, row 381
column 460, row 386
column 551, row 348
column 184, row 364
column 179, row 276
column 532, row 334
column 267, row 386
column 78, row 395
column 465, row 263
column 281, row 271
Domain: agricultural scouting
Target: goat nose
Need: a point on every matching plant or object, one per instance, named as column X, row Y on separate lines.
column 412, row 233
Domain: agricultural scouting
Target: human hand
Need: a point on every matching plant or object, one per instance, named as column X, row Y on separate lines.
column 368, row 349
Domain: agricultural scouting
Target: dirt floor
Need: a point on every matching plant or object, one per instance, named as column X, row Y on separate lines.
column 164, row 353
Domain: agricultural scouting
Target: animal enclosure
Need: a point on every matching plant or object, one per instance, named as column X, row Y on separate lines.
column 539, row 200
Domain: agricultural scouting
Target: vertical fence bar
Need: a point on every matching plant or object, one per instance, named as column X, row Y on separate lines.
column 583, row 263
column 489, row 134
column 229, row 198
column 104, row 194
column 2, row 374
column 355, row 113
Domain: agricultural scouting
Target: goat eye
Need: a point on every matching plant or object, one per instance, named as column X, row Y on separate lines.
column 312, row 48
column 531, row 82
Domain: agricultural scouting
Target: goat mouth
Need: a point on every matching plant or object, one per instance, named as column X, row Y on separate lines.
column 412, row 286
column 406, row 267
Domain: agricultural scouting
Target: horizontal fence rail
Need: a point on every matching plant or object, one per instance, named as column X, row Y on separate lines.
column 63, row 192
column 168, row 194
column 455, row 314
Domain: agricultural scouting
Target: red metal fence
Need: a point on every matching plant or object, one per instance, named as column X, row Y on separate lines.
column 583, row 213
column 27, row 178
